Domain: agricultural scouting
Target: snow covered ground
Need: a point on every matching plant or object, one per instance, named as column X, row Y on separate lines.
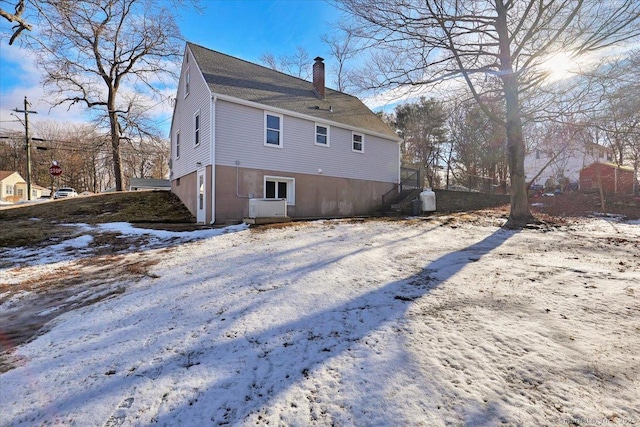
column 433, row 322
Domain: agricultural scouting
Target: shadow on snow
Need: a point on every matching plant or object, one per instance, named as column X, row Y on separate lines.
column 294, row 349
column 251, row 369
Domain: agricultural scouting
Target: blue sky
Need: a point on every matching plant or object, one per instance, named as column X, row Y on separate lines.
column 250, row 28
column 243, row 28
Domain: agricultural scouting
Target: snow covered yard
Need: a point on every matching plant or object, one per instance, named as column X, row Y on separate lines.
column 445, row 321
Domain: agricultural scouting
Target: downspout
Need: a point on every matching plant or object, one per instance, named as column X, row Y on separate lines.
column 212, row 157
column 399, row 164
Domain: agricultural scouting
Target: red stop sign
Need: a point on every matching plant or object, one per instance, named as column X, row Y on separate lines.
column 55, row 170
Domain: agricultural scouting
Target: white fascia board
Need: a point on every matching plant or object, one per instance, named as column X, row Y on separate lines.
column 282, row 111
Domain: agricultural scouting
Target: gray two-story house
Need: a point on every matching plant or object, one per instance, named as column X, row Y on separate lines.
column 242, row 131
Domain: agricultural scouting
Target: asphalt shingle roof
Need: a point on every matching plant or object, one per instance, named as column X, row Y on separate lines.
column 6, row 174
column 227, row 75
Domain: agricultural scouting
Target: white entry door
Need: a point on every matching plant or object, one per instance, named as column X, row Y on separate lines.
column 202, row 202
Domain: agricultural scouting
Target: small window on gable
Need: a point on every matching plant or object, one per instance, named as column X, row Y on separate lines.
column 197, row 129
column 322, row 135
column 358, row 142
column 177, row 145
column 187, row 78
column 273, row 130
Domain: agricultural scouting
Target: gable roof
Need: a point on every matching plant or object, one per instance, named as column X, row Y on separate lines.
column 6, row 174
column 234, row 77
column 608, row 165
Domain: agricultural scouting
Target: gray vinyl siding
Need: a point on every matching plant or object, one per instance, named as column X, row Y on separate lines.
column 240, row 137
column 199, row 98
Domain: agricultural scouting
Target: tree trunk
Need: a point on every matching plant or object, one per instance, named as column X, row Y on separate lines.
column 520, row 213
column 115, row 147
column 115, row 139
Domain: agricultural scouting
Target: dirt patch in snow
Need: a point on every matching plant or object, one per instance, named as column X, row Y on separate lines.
column 29, row 304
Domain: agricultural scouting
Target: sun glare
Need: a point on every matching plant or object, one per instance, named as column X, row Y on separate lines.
column 558, row 66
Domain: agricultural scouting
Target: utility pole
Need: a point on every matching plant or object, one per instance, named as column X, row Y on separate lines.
column 26, row 112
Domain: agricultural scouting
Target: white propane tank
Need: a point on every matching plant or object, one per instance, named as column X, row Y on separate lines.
column 428, row 199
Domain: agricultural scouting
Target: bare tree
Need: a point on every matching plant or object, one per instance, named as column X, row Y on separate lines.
column 498, row 47
column 16, row 16
column 422, row 126
column 12, row 152
column 78, row 148
column 342, row 50
column 107, row 55
column 616, row 116
column 619, row 117
column 296, row 64
column 478, row 146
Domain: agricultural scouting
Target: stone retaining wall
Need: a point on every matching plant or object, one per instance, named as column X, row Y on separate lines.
column 456, row 201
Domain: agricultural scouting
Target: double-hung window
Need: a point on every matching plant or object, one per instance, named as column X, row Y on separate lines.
column 322, row 135
column 357, row 142
column 197, row 129
column 177, row 145
column 273, row 130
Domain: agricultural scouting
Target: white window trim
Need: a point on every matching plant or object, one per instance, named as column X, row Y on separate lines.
column 187, row 79
column 315, row 134
column 281, row 140
column 199, row 129
column 362, row 142
column 177, row 144
column 291, row 187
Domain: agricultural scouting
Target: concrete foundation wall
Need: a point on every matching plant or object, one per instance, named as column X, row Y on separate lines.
column 185, row 189
column 315, row 195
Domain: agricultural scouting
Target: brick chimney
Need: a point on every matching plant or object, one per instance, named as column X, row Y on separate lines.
column 318, row 77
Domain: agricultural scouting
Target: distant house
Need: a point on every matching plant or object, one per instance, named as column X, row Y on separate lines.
column 548, row 167
column 241, row 131
column 613, row 178
column 41, row 191
column 13, row 187
column 138, row 184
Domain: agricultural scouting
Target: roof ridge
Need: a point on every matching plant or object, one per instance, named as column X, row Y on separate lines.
column 267, row 68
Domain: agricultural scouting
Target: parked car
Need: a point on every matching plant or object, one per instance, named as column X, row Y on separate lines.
column 65, row 192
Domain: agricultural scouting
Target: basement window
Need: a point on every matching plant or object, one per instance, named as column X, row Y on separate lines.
column 278, row 187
